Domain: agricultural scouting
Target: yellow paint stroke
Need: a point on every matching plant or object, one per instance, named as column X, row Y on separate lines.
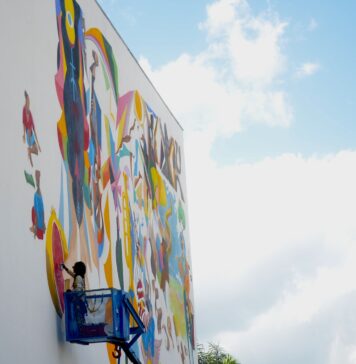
column 63, row 57
column 121, row 129
column 138, row 106
column 62, row 125
column 108, row 263
column 159, row 187
column 53, row 220
column 62, row 131
column 70, row 20
column 177, row 307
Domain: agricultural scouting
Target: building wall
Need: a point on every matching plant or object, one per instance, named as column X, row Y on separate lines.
column 92, row 170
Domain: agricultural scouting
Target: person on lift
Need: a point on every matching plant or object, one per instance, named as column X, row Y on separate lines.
column 78, row 274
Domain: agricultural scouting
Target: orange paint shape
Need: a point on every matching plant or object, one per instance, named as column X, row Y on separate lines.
column 96, row 34
column 86, row 160
column 110, row 349
column 105, row 172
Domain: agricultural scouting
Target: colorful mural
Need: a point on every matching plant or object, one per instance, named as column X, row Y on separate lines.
column 122, row 206
column 38, row 226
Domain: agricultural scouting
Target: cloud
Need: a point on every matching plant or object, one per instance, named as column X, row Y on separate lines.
column 251, row 42
column 307, row 69
column 273, row 242
column 235, row 80
column 272, row 276
column 279, row 251
column 329, row 337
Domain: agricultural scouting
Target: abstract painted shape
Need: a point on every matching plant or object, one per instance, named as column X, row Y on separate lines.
column 56, row 254
column 38, row 226
column 29, row 179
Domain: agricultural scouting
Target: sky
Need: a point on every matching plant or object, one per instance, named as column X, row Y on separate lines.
column 266, row 93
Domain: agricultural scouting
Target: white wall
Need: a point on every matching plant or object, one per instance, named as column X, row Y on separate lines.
column 30, row 328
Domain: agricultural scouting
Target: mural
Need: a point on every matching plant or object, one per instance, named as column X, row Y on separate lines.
column 29, row 137
column 121, row 203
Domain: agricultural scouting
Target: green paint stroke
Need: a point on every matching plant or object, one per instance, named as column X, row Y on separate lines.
column 181, row 214
column 113, row 67
column 106, row 78
column 119, row 263
column 29, row 179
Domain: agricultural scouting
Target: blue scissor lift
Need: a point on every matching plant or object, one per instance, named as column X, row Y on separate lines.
column 103, row 315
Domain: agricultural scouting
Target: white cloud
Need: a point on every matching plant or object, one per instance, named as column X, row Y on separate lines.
column 262, row 215
column 307, row 69
column 235, row 80
column 251, row 43
column 222, row 14
column 273, row 243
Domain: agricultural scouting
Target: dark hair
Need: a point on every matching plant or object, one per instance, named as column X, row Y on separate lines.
column 79, row 269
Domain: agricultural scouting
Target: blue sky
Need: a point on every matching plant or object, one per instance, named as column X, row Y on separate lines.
column 266, row 94
column 324, row 105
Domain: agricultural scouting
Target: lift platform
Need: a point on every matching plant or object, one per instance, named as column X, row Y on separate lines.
column 103, row 315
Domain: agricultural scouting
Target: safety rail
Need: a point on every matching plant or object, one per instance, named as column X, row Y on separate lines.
column 102, row 315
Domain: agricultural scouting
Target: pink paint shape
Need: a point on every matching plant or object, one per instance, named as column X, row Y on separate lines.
column 58, row 259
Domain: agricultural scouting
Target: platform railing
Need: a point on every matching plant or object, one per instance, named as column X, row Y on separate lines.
column 103, row 315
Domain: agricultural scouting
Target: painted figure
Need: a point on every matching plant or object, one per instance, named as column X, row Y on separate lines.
column 29, row 131
column 38, row 227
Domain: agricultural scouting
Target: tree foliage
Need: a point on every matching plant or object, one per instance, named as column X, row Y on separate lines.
column 215, row 354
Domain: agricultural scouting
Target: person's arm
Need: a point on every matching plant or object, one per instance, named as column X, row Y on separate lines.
column 68, row 271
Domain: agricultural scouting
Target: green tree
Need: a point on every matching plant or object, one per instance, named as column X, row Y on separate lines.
column 228, row 359
column 215, row 354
